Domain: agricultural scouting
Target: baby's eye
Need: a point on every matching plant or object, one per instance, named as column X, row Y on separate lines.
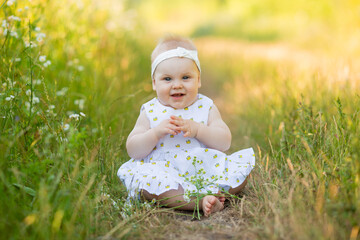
column 186, row 77
column 167, row 78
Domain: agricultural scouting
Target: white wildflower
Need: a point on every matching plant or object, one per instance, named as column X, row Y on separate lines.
column 14, row 18
column 64, row 140
column 5, row 32
column 4, row 85
column 37, row 82
column 47, row 63
column 36, row 99
column 42, row 58
column 17, row 59
column 66, row 127
column 11, row 97
column 52, row 107
column 20, row 10
column 26, row 8
column 82, row 114
column 80, row 68
column 10, row 2
column 75, row 116
column 30, row 44
column 5, row 24
column 28, row 92
column 37, row 29
column 40, row 37
column 147, row 205
column 62, row 92
column 186, row 196
column 14, row 34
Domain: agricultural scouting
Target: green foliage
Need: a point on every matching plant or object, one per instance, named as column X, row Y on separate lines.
column 58, row 156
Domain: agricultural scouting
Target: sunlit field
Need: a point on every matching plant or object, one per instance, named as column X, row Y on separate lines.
column 74, row 74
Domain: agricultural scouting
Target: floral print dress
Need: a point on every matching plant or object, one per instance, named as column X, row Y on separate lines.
column 178, row 160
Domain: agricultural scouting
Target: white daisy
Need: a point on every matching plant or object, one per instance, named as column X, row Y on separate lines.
column 42, row 58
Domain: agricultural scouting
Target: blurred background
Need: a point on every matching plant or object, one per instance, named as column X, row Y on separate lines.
column 74, row 74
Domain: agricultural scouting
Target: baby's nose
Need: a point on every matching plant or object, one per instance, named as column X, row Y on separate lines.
column 177, row 84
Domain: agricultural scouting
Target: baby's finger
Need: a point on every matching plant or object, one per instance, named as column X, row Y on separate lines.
column 187, row 134
column 172, row 126
column 177, row 122
column 183, row 129
column 175, row 117
column 171, row 131
column 179, row 129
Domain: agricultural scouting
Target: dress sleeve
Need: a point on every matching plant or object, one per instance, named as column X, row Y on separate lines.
column 142, row 107
column 206, row 101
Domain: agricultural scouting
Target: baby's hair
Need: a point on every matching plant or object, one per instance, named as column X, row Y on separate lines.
column 171, row 42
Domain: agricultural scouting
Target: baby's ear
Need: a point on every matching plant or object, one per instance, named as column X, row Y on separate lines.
column 153, row 84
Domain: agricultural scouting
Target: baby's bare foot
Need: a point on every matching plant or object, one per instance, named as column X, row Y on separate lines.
column 211, row 204
column 221, row 197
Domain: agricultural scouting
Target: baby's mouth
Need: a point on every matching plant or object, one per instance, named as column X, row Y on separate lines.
column 177, row 95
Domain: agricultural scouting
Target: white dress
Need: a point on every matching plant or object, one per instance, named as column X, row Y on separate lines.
column 178, row 160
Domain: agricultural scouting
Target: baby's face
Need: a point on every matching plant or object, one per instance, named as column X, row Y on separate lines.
column 176, row 82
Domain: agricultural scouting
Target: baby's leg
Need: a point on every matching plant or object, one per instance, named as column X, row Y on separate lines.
column 238, row 189
column 174, row 198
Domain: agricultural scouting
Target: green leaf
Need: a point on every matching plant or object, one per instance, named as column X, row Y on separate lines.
column 28, row 190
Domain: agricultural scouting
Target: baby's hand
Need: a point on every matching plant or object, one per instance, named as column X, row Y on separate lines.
column 189, row 127
column 164, row 128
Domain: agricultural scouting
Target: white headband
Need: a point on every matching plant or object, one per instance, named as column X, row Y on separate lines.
column 177, row 52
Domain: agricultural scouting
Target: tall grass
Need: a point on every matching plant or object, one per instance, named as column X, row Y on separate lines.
column 62, row 124
column 306, row 130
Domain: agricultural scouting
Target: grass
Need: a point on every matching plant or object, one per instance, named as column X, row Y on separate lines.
column 63, row 127
column 308, row 169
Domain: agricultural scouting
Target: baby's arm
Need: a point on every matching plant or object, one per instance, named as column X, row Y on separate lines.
column 142, row 139
column 215, row 135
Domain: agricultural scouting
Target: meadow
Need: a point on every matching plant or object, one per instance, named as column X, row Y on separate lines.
column 284, row 74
